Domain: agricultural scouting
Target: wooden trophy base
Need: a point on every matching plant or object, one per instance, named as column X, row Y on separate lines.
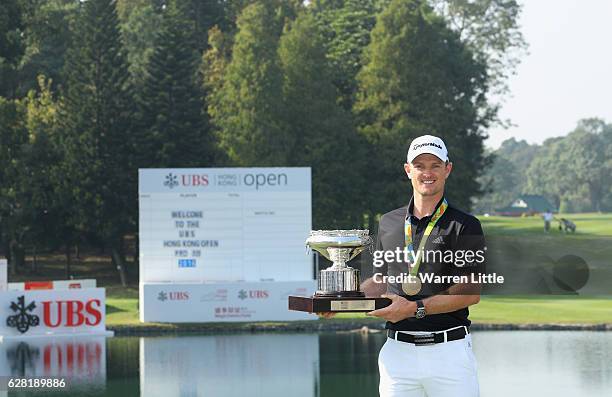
column 336, row 304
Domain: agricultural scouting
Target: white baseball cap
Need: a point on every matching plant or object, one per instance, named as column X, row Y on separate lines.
column 427, row 144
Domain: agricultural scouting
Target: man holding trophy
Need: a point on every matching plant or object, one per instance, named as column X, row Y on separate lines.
column 428, row 351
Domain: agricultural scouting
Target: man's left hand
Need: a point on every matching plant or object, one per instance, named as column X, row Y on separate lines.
column 398, row 310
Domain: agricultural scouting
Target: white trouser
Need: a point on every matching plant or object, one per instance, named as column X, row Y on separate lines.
column 440, row 370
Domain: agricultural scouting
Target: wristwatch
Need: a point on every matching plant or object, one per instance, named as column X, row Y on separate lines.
column 420, row 312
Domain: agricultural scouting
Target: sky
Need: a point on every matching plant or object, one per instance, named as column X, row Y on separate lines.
column 567, row 74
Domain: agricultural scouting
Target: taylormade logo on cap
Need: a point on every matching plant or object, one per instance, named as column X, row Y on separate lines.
column 420, row 145
column 427, row 144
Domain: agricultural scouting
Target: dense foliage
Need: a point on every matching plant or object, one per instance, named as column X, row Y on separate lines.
column 573, row 172
column 91, row 90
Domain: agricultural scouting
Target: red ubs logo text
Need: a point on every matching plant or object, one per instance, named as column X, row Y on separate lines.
column 71, row 313
column 194, row 180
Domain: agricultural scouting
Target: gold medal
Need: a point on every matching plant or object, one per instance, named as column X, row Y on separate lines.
column 413, row 286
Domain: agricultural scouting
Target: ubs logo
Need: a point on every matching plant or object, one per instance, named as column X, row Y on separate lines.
column 173, row 296
column 66, row 313
column 253, row 294
column 22, row 320
column 171, row 181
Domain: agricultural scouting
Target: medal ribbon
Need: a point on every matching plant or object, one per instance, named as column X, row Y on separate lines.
column 408, row 234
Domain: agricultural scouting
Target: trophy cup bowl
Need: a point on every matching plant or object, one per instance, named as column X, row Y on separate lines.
column 338, row 285
column 339, row 246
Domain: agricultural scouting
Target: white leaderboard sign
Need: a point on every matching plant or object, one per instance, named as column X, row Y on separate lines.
column 215, row 229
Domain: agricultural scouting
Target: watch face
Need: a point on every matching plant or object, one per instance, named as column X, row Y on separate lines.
column 420, row 313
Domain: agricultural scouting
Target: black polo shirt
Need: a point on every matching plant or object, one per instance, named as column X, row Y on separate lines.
column 455, row 233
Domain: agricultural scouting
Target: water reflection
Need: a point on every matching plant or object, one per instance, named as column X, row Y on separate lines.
column 232, row 365
column 349, row 363
column 544, row 363
column 80, row 360
column 541, row 363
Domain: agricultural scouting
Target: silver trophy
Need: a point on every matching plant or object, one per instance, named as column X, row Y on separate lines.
column 339, row 246
column 338, row 285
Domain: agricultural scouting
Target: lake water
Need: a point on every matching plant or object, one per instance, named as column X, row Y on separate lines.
column 510, row 363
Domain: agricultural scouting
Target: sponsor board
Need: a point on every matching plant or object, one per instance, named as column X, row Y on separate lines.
column 52, row 312
column 210, row 302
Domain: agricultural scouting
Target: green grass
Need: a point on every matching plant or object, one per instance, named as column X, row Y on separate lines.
column 496, row 310
column 590, row 224
column 543, row 309
column 536, row 310
column 121, row 305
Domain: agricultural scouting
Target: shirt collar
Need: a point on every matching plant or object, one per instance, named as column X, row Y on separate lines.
column 410, row 211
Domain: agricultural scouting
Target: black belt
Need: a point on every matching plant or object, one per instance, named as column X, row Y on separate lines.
column 429, row 339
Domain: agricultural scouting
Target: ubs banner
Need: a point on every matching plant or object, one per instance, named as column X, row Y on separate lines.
column 52, row 312
column 237, row 301
column 218, row 231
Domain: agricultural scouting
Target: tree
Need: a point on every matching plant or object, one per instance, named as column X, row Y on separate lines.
column 139, row 28
column 490, row 28
column 141, row 19
column 212, row 74
column 283, row 10
column 325, row 137
column 43, row 213
column 205, row 15
column 501, row 184
column 173, row 129
column 574, row 171
column 419, row 78
column 346, row 26
column 13, row 136
column 249, row 116
column 504, row 178
column 30, row 213
column 11, row 45
column 214, row 65
column 47, row 37
column 97, row 138
column 519, row 153
column 126, row 7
